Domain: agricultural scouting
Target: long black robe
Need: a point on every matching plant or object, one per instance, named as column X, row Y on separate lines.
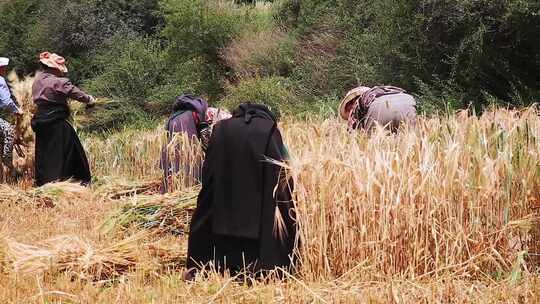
column 234, row 226
column 59, row 153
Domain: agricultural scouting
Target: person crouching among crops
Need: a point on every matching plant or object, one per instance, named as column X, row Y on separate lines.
column 59, row 154
column 386, row 106
column 188, row 119
column 245, row 219
column 7, row 133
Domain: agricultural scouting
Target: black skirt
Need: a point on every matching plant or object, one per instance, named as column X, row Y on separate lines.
column 59, row 155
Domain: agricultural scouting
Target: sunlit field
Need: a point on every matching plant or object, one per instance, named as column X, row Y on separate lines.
column 446, row 212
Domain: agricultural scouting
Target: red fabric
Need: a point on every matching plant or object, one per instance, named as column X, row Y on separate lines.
column 196, row 118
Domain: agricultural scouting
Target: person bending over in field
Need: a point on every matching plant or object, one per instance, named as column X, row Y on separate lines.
column 188, row 119
column 245, row 217
column 387, row 106
column 191, row 117
column 59, row 153
column 7, row 133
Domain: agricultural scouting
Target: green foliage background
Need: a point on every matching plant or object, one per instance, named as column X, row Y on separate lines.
column 295, row 55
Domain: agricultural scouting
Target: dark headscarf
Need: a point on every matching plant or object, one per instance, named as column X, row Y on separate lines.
column 188, row 102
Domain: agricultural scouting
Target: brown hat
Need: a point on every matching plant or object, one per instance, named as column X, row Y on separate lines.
column 346, row 103
column 54, row 61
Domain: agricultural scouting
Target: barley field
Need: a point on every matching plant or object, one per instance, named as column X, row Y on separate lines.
column 446, row 212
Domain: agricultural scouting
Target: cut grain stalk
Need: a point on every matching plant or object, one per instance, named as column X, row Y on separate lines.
column 169, row 213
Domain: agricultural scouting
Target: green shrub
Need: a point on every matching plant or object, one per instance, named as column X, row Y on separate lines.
column 75, row 29
column 113, row 115
column 199, row 30
column 130, row 69
column 483, row 48
column 287, row 12
column 261, row 54
column 18, row 19
column 441, row 98
column 275, row 92
column 184, row 77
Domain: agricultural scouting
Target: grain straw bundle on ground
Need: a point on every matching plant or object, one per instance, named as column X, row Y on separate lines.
column 455, row 197
column 46, row 196
column 4, row 261
column 113, row 188
column 168, row 257
column 169, row 213
column 74, row 256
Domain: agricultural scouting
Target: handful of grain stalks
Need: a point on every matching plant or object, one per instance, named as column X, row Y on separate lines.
column 46, row 196
column 169, row 213
column 75, row 257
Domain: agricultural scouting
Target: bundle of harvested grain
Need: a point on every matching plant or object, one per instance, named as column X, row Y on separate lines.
column 22, row 89
column 46, row 196
column 75, row 257
column 169, row 213
column 168, row 257
column 115, row 188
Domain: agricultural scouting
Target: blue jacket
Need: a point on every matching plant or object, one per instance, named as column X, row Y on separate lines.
column 6, row 102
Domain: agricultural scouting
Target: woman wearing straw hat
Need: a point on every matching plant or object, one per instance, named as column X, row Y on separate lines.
column 59, row 153
column 386, row 106
column 7, row 134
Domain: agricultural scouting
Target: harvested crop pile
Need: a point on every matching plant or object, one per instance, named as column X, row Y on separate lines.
column 169, row 213
column 46, row 196
column 115, row 189
column 168, row 257
column 22, row 89
column 75, row 256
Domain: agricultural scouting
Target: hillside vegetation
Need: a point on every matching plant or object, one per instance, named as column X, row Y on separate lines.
column 297, row 55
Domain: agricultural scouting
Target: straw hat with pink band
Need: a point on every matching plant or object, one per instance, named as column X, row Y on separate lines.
column 347, row 103
column 54, row 61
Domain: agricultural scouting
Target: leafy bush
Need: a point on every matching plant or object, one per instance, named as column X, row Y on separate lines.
column 199, row 30
column 482, row 48
column 18, row 18
column 113, row 115
column 75, row 29
column 260, row 54
column 184, row 77
column 131, row 68
column 275, row 92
